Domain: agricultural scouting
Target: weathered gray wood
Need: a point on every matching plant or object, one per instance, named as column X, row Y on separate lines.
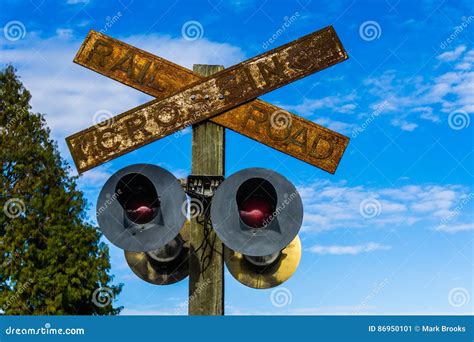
column 206, row 268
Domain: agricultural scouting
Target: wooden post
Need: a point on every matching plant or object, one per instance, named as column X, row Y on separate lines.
column 206, row 265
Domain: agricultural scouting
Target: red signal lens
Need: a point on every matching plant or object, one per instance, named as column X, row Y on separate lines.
column 140, row 211
column 256, row 211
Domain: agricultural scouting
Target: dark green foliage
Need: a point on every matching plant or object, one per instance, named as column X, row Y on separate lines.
column 51, row 259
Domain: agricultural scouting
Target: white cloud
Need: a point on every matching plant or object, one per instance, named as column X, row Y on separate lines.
column 454, row 228
column 319, row 109
column 73, row 2
column 426, row 113
column 94, row 179
column 84, row 23
column 335, row 125
column 352, row 250
column 467, row 62
column 337, row 104
column 450, row 56
column 404, row 125
column 187, row 53
column 236, row 5
column 63, row 33
column 69, row 94
column 406, row 99
column 418, row 97
column 330, row 205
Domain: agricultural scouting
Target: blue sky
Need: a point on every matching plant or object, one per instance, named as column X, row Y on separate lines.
column 404, row 97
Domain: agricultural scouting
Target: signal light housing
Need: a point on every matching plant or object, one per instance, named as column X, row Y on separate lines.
column 139, row 208
column 266, row 271
column 256, row 212
column 167, row 265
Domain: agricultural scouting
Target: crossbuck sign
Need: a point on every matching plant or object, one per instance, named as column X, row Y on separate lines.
column 227, row 98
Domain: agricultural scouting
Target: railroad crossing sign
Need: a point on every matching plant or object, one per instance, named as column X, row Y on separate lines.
column 183, row 98
column 257, row 213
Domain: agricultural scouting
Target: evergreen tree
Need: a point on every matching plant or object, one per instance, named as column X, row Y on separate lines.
column 51, row 260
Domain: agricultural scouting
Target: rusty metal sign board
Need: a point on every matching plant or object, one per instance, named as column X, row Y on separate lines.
column 134, row 67
column 206, row 98
column 263, row 122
